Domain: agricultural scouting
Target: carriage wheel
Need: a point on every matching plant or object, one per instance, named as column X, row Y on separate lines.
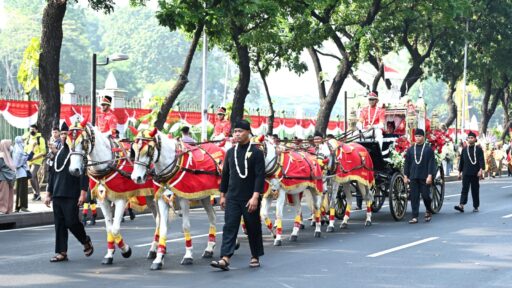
column 340, row 204
column 378, row 198
column 397, row 196
column 437, row 189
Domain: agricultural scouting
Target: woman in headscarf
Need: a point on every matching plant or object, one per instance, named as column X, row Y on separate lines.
column 20, row 160
column 7, row 177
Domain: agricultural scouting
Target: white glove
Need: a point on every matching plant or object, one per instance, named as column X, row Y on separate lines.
column 359, row 126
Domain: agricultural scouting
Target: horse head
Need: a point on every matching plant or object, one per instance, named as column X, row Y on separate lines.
column 328, row 149
column 80, row 141
column 152, row 147
column 269, row 151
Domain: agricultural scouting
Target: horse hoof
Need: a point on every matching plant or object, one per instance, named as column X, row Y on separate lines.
column 187, row 261
column 156, row 266
column 330, row 229
column 151, row 255
column 344, row 226
column 208, row 254
column 278, row 243
column 107, row 261
column 128, row 253
column 293, row 238
column 237, row 245
column 318, row 234
column 302, row 226
column 368, row 223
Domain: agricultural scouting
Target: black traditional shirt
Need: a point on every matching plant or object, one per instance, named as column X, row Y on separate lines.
column 62, row 184
column 427, row 165
column 238, row 188
column 466, row 161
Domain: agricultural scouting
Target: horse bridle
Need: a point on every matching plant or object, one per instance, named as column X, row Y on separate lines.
column 273, row 163
column 84, row 136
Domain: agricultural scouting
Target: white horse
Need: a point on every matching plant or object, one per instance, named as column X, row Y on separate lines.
column 276, row 173
column 172, row 163
column 347, row 166
column 88, row 144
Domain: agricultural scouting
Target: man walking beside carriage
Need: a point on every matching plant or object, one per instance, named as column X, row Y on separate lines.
column 243, row 177
column 419, row 170
column 471, row 169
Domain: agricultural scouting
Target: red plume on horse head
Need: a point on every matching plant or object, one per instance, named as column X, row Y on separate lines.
column 153, row 132
column 133, row 130
column 84, row 122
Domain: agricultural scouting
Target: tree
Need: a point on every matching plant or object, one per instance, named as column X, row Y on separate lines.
column 348, row 25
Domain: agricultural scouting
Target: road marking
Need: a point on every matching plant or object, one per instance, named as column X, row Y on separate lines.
column 506, row 186
column 402, row 247
column 507, row 216
column 449, row 196
column 179, row 239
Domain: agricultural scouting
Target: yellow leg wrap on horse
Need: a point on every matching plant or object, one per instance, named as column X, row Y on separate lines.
column 86, row 206
column 118, row 238
column 212, row 230
column 188, row 239
column 110, row 237
column 297, row 219
column 162, row 241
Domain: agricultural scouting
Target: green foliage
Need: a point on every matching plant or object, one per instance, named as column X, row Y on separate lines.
column 28, row 74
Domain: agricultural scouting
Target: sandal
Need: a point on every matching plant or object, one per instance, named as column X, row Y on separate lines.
column 88, row 248
column 459, row 208
column 413, row 221
column 59, row 257
column 221, row 264
column 428, row 217
column 255, row 263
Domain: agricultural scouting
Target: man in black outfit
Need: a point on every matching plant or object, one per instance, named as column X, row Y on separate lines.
column 67, row 193
column 243, row 176
column 419, row 168
column 471, row 167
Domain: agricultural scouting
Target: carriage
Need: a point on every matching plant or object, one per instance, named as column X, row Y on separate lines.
column 389, row 177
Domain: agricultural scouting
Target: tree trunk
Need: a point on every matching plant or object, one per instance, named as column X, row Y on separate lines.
column 376, row 80
column 49, row 66
column 505, row 102
column 328, row 100
column 269, row 99
column 244, row 77
column 452, row 106
column 182, row 80
column 413, row 75
column 327, row 104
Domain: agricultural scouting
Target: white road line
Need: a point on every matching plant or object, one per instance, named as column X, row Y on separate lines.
column 402, row 247
column 506, row 186
column 179, row 239
column 507, row 216
column 449, row 196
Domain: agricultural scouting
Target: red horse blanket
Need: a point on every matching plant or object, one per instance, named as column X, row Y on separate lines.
column 354, row 164
column 300, row 169
column 199, row 172
column 117, row 186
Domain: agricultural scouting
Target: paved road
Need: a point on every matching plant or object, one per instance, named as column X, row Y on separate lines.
column 454, row 250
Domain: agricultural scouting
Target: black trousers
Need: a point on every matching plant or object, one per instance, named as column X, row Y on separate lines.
column 419, row 186
column 233, row 213
column 474, row 182
column 21, row 193
column 65, row 215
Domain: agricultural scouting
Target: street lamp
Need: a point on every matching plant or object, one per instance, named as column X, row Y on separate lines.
column 113, row 57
